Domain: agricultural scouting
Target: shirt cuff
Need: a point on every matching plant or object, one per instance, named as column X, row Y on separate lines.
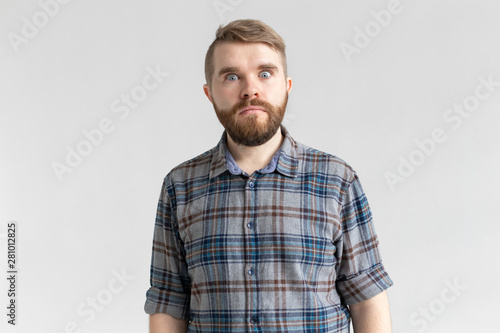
column 157, row 301
column 365, row 285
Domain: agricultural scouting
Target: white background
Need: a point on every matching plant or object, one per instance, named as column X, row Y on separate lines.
column 437, row 226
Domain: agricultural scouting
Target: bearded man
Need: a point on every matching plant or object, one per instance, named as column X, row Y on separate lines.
column 262, row 233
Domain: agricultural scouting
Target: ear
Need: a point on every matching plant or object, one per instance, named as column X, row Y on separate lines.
column 289, row 84
column 206, row 89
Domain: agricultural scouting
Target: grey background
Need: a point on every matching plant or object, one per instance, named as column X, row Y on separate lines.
column 437, row 227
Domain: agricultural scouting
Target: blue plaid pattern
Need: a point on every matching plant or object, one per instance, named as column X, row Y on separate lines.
column 285, row 249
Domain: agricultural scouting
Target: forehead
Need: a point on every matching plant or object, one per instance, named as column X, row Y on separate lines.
column 245, row 55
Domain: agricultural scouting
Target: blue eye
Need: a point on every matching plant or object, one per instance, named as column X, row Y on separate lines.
column 232, row 77
column 265, row 75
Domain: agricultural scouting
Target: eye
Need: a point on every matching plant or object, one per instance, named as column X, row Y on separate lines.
column 232, row 77
column 265, row 75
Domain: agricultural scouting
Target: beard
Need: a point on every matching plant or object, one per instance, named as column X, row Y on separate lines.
column 252, row 131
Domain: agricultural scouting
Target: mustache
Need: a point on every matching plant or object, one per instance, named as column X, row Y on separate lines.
column 251, row 102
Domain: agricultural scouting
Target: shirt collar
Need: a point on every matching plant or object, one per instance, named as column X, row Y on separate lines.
column 284, row 161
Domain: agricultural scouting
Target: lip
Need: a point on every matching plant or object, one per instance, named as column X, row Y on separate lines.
column 252, row 110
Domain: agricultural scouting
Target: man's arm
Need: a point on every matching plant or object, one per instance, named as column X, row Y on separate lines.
column 372, row 315
column 164, row 323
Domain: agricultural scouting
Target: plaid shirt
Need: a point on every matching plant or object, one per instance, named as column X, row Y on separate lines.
column 284, row 249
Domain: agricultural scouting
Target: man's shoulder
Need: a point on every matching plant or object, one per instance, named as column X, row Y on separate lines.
column 317, row 160
column 195, row 167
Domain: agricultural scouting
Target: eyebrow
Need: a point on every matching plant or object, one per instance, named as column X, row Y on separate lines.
column 232, row 69
column 227, row 69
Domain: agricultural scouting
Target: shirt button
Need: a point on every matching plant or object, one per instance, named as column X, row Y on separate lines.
column 250, row 271
column 250, row 225
column 250, row 184
column 253, row 320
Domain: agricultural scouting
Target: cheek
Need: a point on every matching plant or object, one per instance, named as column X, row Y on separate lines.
column 276, row 95
column 223, row 100
column 277, row 87
column 226, row 91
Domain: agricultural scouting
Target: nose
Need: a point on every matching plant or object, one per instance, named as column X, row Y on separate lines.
column 250, row 89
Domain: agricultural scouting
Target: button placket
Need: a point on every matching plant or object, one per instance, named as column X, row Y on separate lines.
column 250, row 267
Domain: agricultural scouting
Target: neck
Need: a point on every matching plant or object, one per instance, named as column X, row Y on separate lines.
column 250, row 159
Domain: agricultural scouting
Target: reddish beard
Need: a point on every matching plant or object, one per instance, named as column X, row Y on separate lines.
column 251, row 131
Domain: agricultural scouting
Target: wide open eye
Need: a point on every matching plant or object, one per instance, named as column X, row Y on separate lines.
column 265, row 75
column 232, row 77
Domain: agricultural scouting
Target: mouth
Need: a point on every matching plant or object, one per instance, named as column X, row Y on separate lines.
column 251, row 110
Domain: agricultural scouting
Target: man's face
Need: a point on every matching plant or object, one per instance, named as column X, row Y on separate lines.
column 249, row 91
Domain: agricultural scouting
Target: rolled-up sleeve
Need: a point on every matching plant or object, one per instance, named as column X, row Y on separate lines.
column 360, row 274
column 169, row 290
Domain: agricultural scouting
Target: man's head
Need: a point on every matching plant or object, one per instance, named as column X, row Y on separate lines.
column 245, row 31
column 245, row 68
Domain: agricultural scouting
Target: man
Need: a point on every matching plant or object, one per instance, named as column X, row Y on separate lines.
column 262, row 233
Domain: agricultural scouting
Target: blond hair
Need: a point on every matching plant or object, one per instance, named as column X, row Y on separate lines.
column 247, row 31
